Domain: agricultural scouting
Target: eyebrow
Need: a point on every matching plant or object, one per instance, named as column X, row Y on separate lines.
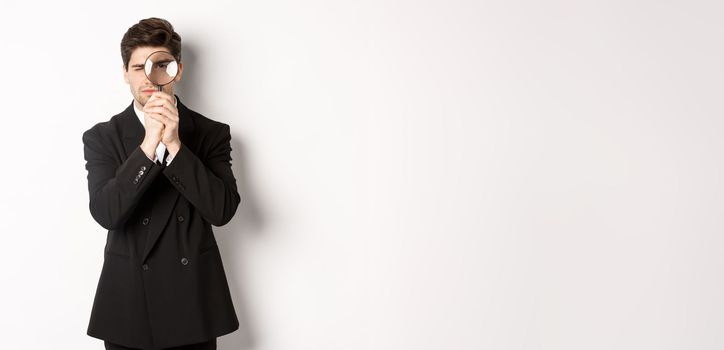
column 139, row 65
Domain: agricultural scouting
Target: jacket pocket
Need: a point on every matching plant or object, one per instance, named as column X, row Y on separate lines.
column 117, row 244
column 206, row 249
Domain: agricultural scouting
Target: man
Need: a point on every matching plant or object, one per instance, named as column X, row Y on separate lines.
column 159, row 175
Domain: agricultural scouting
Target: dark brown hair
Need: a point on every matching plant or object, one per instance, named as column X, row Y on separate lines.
column 150, row 32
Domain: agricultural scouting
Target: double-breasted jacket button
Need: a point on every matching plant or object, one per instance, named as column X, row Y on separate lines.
column 143, row 168
column 135, row 181
column 145, row 267
column 140, row 172
column 184, row 261
column 145, row 221
column 175, row 179
column 180, row 218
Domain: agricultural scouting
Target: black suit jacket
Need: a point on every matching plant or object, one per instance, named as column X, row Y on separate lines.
column 163, row 282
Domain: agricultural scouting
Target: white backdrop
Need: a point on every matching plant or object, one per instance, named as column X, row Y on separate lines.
column 417, row 174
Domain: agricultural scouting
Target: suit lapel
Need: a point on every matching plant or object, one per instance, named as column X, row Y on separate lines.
column 132, row 130
column 165, row 202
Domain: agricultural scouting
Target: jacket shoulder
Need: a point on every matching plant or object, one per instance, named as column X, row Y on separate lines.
column 103, row 129
column 206, row 126
column 205, row 123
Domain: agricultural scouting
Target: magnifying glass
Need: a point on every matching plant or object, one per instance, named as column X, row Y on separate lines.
column 161, row 68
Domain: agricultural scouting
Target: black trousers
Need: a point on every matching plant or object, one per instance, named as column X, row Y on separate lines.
column 207, row 345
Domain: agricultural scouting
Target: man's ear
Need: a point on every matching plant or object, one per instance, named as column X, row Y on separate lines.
column 125, row 74
column 180, row 71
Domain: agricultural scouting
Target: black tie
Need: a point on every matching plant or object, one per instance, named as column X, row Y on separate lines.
column 165, row 155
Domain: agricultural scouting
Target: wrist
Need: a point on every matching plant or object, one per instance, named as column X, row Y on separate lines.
column 149, row 148
column 173, row 147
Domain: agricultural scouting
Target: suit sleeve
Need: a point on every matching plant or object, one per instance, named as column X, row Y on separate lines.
column 208, row 185
column 115, row 190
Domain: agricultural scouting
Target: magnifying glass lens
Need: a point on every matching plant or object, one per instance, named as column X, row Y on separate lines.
column 161, row 68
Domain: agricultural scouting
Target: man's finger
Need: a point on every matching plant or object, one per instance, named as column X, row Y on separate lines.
column 161, row 118
column 162, row 95
column 154, row 117
column 161, row 103
column 165, row 112
column 156, row 109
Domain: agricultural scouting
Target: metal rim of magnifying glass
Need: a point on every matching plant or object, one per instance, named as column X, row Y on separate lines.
column 149, row 78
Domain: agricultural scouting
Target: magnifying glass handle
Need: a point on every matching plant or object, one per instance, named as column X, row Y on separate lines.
column 158, row 87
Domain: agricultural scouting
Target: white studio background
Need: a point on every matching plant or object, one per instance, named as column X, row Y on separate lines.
column 417, row 174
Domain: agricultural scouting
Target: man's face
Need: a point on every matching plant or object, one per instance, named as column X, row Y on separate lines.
column 136, row 78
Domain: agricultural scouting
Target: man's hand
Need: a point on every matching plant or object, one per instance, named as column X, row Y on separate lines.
column 154, row 134
column 160, row 109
